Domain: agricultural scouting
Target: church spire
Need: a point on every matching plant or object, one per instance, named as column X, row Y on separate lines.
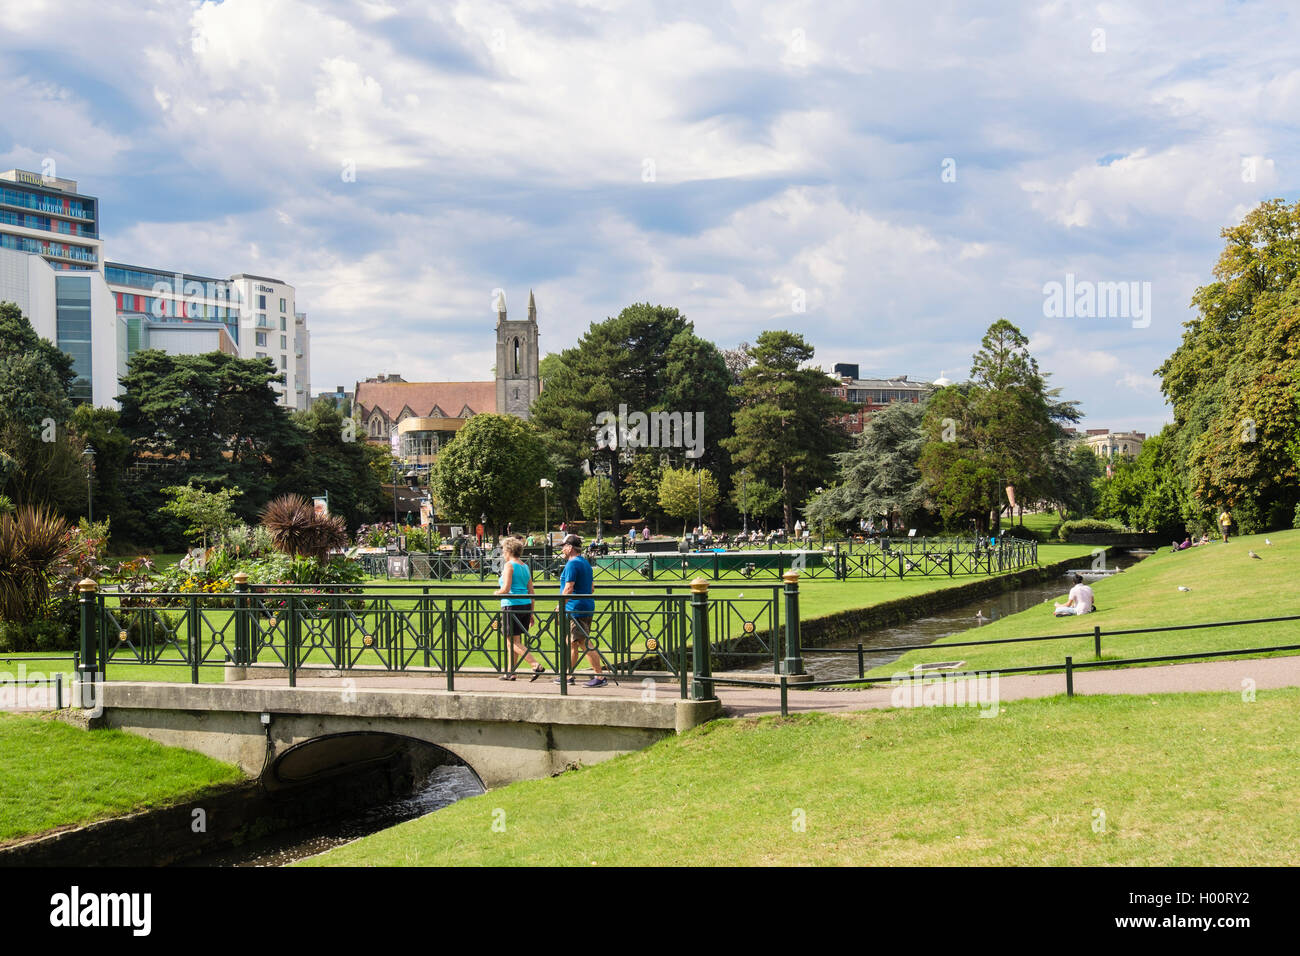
column 532, row 307
column 501, row 306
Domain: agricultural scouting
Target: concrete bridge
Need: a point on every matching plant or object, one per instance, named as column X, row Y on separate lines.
column 292, row 734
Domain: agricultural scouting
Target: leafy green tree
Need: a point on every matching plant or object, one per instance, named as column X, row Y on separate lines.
column 1232, row 381
column 39, row 461
column 754, row 497
column 687, row 493
column 1150, row 492
column 203, row 512
column 646, row 359
column 336, row 459
column 596, row 499
column 213, row 414
column 492, row 467
column 998, row 430
column 783, row 426
column 880, row 476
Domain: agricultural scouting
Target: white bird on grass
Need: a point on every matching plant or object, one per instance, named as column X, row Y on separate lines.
column 1183, row 588
column 1268, row 542
column 1254, row 555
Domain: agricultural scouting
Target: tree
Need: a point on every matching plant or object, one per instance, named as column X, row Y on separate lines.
column 336, row 459
column 1148, row 493
column 204, row 512
column 1232, row 381
column 644, row 360
column 754, row 497
column 997, row 430
column 783, row 425
column 492, row 467
column 39, row 461
column 214, row 415
column 687, row 493
column 880, row 476
column 596, row 498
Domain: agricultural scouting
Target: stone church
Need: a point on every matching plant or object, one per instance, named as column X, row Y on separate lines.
column 417, row 418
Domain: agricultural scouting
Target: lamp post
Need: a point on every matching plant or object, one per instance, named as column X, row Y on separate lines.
column 822, row 521
column 546, row 486
column 699, row 502
column 599, row 470
column 89, row 455
column 396, row 468
column 744, row 499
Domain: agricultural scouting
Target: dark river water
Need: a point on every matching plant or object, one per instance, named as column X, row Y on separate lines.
column 443, row 787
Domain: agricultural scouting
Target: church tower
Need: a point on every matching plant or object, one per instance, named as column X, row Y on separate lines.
column 518, row 381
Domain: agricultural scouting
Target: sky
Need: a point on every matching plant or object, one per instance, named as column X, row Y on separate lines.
column 885, row 179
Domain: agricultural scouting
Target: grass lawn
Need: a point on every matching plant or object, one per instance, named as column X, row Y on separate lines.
column 1226, row 584
column 54, row 775
column 1167, row 780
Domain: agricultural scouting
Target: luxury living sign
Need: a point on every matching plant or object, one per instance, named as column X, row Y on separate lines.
column 651, row 430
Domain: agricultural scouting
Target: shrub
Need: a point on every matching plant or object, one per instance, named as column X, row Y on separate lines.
column 35, row 555
column 47, row 635
column 1088, row 526
column 297, row 530
column 1021, row 532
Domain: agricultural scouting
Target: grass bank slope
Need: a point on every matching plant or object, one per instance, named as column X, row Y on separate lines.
column 1170, row 780
column 54, row 775
column 1225, row 584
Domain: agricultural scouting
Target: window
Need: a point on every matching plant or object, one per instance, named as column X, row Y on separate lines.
column 284, row 342
column 282, row 305
column 282, row 325
column 261, row 321
column 261, row 355
column 261, row 339
column 284, row 361
column 261, row 302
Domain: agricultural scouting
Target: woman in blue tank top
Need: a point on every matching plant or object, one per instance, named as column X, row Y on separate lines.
column 516, row 581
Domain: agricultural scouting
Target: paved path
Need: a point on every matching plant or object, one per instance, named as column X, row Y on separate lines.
column 1226, row 676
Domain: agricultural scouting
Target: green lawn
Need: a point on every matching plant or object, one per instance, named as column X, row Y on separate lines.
column 54, row 775
column 1226, row 584
column 1167, row 780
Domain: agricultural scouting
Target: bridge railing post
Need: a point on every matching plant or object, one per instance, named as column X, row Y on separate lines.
column 562, row 646
column 89, row 641
column 449, row 642
column 701, row 689
column 793, row 663
column 243, row 655
column 194, row 637
column 291, row 639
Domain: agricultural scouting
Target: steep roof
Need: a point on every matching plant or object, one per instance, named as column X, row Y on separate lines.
column 422, row 397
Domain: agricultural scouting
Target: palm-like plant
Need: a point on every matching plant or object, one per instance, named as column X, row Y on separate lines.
column 35, row 547
column 297, row 530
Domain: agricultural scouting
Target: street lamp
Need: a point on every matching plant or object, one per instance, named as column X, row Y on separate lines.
column 89, row 455
column 699, row 502
column 546, row 486
column 822, row 521
column 744, row 499
column 599, row 470
column 397, row 466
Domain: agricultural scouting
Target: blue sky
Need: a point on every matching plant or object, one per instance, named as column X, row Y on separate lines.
column 731, row 161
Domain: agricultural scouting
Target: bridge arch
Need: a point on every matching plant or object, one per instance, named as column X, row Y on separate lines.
column 329, row 755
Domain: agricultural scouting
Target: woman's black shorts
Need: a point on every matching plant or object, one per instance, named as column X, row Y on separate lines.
column 518, row 620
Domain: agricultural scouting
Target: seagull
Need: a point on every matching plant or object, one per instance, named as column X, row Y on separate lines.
column 979, row 617
column 1182, row 588
column 1268, row 542
column 1254, row 555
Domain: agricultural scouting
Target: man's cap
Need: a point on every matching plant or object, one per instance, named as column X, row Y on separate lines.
column 572, row 539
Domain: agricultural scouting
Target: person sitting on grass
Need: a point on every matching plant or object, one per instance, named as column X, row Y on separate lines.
column 1080, row 601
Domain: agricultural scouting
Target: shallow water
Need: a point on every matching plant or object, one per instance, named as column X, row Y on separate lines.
column 443, row 787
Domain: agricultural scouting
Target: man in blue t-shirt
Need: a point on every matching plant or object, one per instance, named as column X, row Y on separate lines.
column 576, row 579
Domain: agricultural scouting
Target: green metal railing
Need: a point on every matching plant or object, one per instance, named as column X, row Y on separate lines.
column 422, row 628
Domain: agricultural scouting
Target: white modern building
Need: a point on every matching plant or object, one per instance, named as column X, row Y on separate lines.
column 302, row 361
column 256, row 313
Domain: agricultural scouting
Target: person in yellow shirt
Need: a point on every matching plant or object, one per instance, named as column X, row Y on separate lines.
column 1225, row 522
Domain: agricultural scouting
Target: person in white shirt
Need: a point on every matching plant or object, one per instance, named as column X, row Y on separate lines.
column 1080, row 601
